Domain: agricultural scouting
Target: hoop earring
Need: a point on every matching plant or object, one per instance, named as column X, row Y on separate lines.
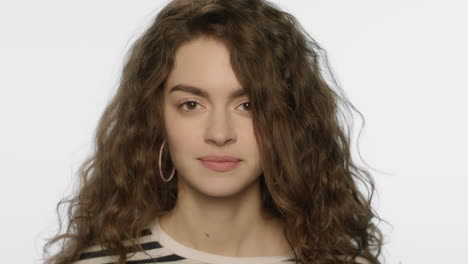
column 160, row 171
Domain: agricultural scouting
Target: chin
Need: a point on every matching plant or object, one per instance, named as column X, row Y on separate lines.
column 223, row 187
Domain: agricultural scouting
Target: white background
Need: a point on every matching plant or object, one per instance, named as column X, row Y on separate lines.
column 403, row 64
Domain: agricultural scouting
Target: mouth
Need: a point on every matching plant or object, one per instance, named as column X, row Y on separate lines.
column 220, row 166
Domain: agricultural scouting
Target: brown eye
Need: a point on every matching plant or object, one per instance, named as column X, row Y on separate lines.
column 191, row 104
column 248, row 107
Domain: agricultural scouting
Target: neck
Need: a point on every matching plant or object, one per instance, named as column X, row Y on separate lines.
column 229, row 226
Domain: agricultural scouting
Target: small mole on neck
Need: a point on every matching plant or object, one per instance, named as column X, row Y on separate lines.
column 207, row 235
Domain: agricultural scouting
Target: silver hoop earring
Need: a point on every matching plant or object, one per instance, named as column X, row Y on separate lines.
column 160, row 170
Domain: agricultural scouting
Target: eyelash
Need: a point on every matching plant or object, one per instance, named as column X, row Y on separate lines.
column 187, row 101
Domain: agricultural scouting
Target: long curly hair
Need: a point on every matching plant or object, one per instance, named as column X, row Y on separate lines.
column 300, row 122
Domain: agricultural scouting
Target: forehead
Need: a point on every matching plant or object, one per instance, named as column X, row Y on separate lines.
column 203, row 63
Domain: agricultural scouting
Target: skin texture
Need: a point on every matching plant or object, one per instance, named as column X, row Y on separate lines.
column 216, row 212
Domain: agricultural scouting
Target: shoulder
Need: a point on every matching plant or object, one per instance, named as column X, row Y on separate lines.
column 97, row 255
column 357, row 260
column 361, row 260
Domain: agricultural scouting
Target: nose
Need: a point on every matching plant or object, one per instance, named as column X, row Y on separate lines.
column 220, row 129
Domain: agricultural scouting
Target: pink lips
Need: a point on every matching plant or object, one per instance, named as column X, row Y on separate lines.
column 220, row 163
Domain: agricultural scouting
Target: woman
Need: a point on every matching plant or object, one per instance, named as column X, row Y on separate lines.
column 222, row 145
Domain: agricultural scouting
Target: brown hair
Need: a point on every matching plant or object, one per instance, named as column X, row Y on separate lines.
column 309, row 177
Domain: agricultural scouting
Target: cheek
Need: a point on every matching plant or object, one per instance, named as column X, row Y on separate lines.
column 182, row 133
column 180, row 125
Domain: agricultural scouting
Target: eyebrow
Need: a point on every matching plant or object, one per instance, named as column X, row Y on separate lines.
column 202, row 93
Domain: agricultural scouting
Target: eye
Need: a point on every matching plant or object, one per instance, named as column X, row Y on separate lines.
column 247, row 103
column 189, row 103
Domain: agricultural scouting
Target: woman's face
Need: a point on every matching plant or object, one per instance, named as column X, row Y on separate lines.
column 217, row 124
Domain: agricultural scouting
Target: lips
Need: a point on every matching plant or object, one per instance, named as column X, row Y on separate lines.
column 220, row 166
column 220, row 158
column 220, row 163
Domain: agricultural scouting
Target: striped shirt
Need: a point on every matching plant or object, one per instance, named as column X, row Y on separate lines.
column 159, row 247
